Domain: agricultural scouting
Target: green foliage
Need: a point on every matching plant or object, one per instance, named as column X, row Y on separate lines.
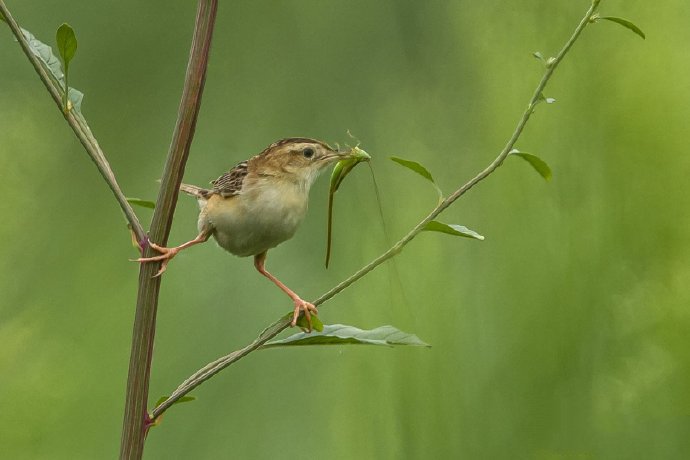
column 623, row 22
column 548, row 100
column 67, row 46
column 452, row 229
column 537, row 163
column 143, row 203
column 339, row 334
column 416, row 167
column 419, row 169
column 157, row 421
column 564, row 341
column 51, row 64
column 183, row 399
column 547, row 63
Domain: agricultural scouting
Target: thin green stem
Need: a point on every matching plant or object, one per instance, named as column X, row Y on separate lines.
column 78, row 124
column 274, row 329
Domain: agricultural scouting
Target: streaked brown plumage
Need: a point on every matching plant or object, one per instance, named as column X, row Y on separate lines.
column 258, row 204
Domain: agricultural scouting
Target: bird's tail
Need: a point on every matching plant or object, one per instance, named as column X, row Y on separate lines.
column 200, row 193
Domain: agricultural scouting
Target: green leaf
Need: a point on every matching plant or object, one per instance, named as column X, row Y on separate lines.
column 537, row 163
column 183, row 399
column 421, row 170
column 542, row 98
column 67, row 46
column 157, row 421
column 416, row 167
column 75, row 98
column 452, row 229
column 316, row 323
column 539, row 56
column 339, row 334
column 625, row 23
column 52, row 65
column 142, row 203
column 67, row 43
column 45, row 54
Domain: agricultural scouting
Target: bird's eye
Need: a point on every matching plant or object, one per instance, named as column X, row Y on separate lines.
column 308, row 152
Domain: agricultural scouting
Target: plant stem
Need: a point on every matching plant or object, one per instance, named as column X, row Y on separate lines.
column 274, row 329
column 78, row 125
column 136, row 421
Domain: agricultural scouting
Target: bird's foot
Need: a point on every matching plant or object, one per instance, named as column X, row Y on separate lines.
column 166, row 256
column 306, row 307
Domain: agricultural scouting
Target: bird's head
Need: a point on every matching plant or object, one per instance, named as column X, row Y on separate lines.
column 298, row 159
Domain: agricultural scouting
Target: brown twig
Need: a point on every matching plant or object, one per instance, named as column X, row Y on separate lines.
column 136, row 421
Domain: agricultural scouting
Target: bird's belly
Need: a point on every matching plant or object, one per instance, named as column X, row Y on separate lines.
column 255, row 229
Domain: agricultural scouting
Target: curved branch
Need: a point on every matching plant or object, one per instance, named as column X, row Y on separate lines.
column 274, row 329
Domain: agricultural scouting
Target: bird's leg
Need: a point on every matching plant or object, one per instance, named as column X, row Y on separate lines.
column 300, row 305
column 168, row 253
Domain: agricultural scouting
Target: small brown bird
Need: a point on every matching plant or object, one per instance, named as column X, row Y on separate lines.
column 258, row 204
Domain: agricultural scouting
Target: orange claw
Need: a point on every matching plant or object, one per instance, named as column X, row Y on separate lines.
column 166, row 256
column 168, row 253
column 306, row 307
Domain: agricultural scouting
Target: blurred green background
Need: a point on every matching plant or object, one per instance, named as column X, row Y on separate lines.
column 564, row 335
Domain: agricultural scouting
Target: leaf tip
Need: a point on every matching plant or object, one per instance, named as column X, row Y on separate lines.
column 419, row 169
column 625, row 23
column 539, row 165
column 452, row 229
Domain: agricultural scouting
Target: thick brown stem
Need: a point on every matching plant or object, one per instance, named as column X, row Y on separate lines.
column 136, row 421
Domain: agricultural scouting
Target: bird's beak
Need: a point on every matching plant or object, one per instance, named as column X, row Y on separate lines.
column 355, row 153
column 337, row 156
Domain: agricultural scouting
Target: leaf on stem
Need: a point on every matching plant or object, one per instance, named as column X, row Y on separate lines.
column 142, row 203
column 421, row 170
column 67, row 43
column 452, row 229
column 45, row 54
column 416, row 167
column 625, row 23
column 52, row 65
column 67, row 46
column 157, row 421
column 183, row 399
column 537, row 163
column 548, row 100
column 340, row 334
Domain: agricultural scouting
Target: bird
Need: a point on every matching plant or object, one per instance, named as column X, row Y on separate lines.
column 257, row 205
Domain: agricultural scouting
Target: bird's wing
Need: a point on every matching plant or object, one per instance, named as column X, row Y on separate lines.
column 230, row 183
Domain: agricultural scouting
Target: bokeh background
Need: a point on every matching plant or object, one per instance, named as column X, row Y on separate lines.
column 564, row 335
